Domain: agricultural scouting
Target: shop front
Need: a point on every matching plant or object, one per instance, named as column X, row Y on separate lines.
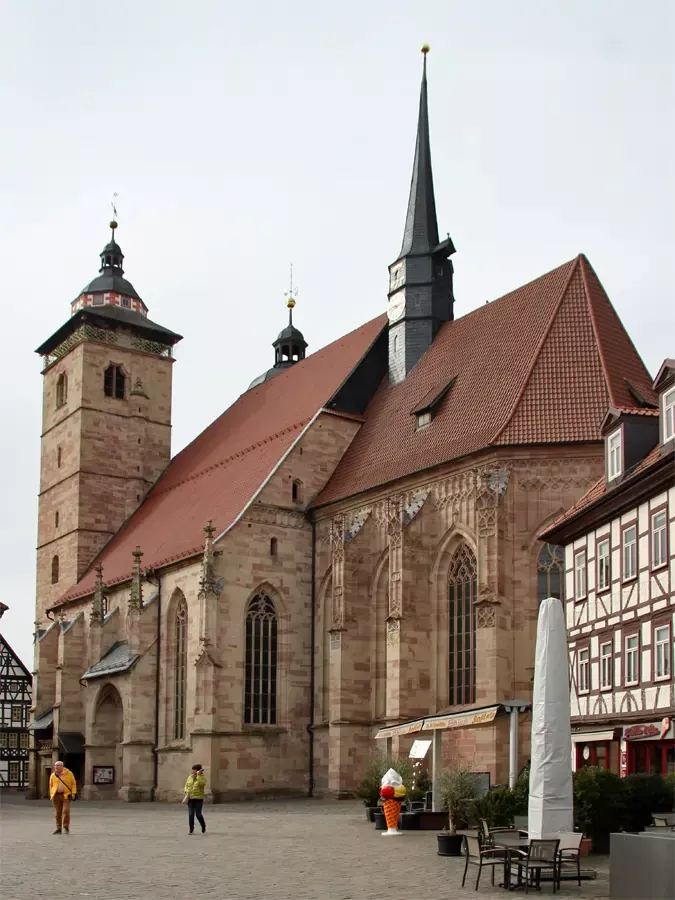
column 596, row 748
column 649, row 748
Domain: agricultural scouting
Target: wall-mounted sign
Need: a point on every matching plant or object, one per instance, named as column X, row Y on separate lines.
column 665, row 728
column 104, row 775
column 419, row 749
column 461, row 721
column 635, row 732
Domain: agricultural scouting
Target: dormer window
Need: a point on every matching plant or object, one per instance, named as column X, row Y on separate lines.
column 430, row 403
column 669, row 415
column 424, row 419
column 614, row 455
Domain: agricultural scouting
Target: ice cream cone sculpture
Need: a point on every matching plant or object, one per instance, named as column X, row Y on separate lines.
column 392, row 793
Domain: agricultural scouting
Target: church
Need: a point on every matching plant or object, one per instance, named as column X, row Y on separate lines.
column 351, row 546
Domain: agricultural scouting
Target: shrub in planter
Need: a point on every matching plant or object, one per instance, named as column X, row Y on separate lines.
column 669, row 782
column 458, row 787
column 645, row 794
column 521, row 792
column 497, row 807
column 599, row 804
column 368, row 789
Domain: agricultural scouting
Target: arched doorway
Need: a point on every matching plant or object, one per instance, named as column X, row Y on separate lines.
column 104, row 753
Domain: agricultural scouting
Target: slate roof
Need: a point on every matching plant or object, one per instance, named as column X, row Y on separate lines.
column 219, row 473
column 120, row 658
column 538, row 366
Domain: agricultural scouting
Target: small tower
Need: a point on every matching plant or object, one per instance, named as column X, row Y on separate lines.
column 290, row 345
column 106, row 423
column 420, row 281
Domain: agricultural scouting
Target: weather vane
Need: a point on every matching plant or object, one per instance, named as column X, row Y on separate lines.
column 291, row 293
column 113, row 203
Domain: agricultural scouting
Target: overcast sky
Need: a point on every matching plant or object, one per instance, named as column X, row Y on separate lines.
column 241, row 137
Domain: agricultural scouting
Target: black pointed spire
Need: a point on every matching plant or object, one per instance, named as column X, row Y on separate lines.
column 421, row 226
column 111, row 255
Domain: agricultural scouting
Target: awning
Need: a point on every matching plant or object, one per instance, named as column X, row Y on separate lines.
column 463, row 719
column 44, row 720
column 72, row 742
column 587, row 737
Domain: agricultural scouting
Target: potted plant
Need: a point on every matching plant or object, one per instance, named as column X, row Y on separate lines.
column 458, row 785
column 368, row 789
column 599, row 805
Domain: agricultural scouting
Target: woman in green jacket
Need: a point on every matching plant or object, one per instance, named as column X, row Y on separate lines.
column 194, row 797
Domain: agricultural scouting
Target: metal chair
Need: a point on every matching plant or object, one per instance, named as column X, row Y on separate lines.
column 542, row 855
column 480, row 856
column 660, row 821
column 569, row 852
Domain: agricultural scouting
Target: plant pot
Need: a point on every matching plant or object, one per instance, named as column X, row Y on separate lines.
column 380, row 821
column 449, row 844
column 585, row 846
column 370, row 812
column 409, row 821
column 432, row 821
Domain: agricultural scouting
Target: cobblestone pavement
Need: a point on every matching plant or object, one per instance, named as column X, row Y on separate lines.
column 300, row 850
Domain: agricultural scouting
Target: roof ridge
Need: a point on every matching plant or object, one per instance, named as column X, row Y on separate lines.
column 540, row 346
column 594, row 323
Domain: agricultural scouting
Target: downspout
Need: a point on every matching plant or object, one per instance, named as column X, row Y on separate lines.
column 149, row 573
column 312, row 657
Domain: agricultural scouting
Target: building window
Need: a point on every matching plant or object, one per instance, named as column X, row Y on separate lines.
column 98, row 300
column 580, row 575
column 13, row 740
column 114, row 382
column 260, row 690
column 58, row 457
column 296, row 491
column 3, row 739
column 56, row 519
column 17, row 715
column 55, row 569
column 273, row 546
column 662, row 652
column 180, row 669
column 61, row 390
column 629, row 553
column 606, row 663
column 669, row 415
column 659, row 540
column 604, row 571
column 423, row 419
column 614, row 455
column 550, row 566
column 125, row 301
column 462, row 590
column 24, row 740
column 632, row 663
column 14, row 768
column 584, row 666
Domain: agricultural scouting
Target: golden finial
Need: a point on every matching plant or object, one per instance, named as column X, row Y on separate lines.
column 113, row 221
column 291, row 293
column 425, row 49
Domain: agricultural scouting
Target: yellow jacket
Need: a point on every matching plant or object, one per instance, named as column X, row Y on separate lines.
column 68, row 779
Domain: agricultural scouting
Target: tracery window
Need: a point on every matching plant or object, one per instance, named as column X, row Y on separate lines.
column 180, row 679
column 61, row 390
column 462, row 588
column 114, row 382
column 260, row 699
column 550, row 567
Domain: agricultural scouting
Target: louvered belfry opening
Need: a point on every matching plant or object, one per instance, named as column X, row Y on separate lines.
column 260, row 699
column 462, row 588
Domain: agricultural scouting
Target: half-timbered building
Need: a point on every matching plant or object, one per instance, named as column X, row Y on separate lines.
column 15, row 699
column 619, row 544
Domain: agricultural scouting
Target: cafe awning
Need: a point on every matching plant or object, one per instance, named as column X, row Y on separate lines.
column 463, row 719
column 587, row 737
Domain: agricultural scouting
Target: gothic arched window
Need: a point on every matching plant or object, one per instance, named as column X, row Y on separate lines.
column 114, row 382
column 550, row 568
column 462, row 589
column 180, row 671
column 296, row 491
column 61, row 390
column 260, row 698
column 55, row 569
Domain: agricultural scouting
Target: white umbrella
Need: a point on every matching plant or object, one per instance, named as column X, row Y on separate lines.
column 550, row 808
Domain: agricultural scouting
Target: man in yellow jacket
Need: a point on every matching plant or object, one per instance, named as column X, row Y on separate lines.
column 62, row 789
column 194, row 797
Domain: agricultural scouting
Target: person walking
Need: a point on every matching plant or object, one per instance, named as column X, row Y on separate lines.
column 194, row 797
column 62, row 789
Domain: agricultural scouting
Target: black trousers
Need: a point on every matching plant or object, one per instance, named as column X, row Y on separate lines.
column 195, row 809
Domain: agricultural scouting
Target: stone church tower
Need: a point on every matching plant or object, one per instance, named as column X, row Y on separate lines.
column 106, row 423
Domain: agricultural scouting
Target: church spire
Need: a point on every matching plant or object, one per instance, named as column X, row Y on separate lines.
column 421, row 227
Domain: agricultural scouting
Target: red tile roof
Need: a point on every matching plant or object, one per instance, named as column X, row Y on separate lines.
column 539, row 365
column 600, row 490
column 216, row 475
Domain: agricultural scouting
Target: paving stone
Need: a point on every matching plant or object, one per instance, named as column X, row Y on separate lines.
column 300, row 850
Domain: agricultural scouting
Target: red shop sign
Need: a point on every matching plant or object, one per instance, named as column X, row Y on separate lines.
column 641, row 731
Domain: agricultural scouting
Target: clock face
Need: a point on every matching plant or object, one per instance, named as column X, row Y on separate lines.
column 396, row 306
column 396, row 276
